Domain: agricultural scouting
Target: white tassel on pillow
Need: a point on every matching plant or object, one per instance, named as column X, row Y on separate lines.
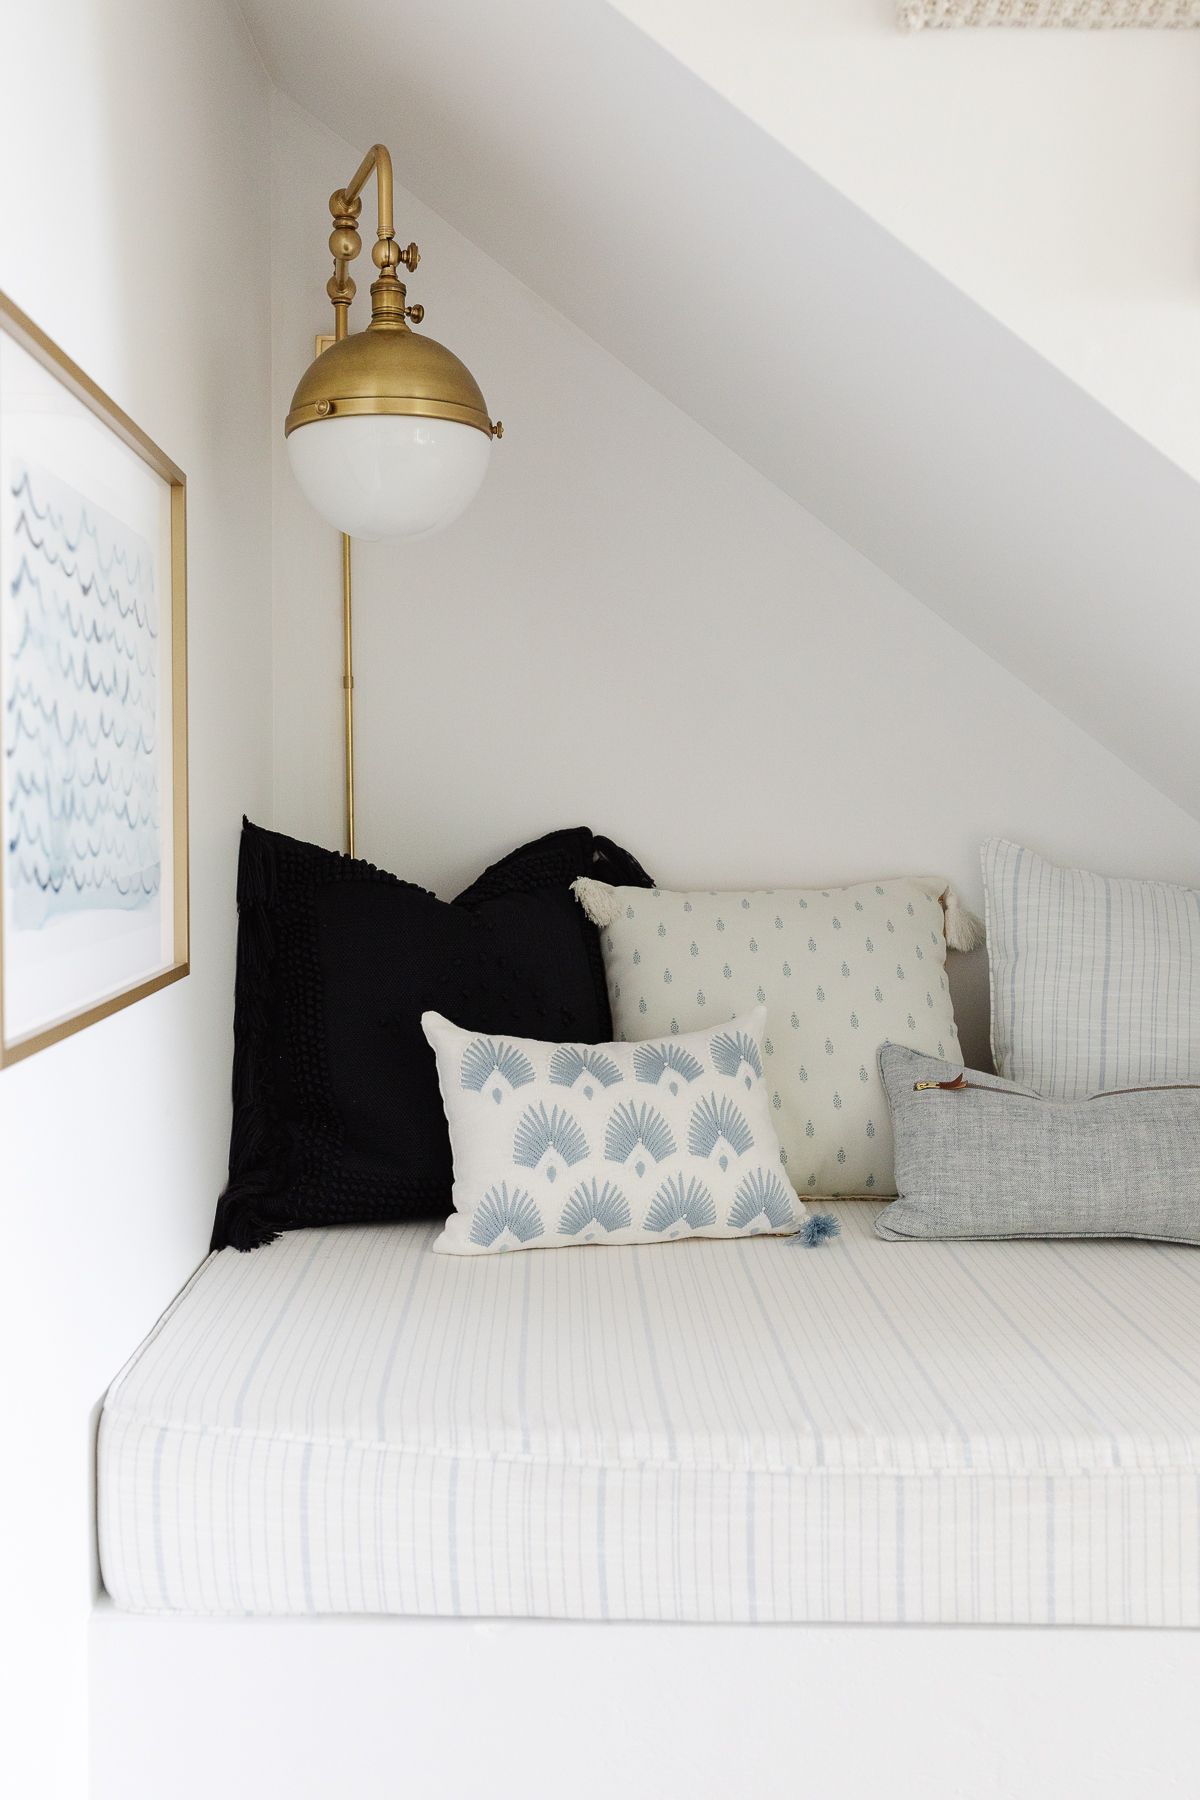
column 598, row 900
column 963, row 930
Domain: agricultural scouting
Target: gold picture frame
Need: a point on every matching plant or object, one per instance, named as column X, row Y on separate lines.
column 94, row 905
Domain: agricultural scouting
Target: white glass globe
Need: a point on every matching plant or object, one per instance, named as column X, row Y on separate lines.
column 381, row 475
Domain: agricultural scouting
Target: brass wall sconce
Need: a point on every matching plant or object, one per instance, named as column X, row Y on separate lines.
column 388, row 433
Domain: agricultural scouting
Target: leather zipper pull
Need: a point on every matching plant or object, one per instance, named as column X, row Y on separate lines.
column 921, row 1087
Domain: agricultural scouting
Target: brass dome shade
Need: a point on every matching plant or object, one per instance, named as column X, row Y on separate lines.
column 388, row 369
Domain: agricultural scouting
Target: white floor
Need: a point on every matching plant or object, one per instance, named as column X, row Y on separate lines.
column 363, row 1709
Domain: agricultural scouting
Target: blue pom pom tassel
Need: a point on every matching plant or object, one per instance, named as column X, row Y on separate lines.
column 816, row 1228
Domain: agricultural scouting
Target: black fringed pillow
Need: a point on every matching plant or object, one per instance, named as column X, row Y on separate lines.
column 337, row 1116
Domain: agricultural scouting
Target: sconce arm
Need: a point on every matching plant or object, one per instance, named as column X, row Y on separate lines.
column 345, row 206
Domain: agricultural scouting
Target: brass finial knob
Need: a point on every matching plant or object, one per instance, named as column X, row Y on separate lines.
column 415, row 313
column 497, row 428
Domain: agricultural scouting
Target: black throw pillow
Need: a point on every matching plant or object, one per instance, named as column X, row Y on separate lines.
column 337, row 1116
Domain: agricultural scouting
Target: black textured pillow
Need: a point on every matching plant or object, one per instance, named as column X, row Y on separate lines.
column 337, row 1116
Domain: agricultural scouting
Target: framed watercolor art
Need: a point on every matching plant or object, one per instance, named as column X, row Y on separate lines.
column 93, row 692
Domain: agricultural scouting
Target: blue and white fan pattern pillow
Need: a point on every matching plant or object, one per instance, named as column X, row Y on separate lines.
column 559, row 1144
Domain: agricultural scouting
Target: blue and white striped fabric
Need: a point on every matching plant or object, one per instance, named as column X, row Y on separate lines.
column 343, row 1422
column 1095, row 980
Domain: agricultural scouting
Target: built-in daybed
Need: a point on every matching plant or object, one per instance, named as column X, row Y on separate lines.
column 992, row 1435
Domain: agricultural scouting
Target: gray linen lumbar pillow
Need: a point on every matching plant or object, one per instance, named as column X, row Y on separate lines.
column 977, row 1157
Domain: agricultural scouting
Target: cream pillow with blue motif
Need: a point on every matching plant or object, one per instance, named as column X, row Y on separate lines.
column 840, row 971
column 560, row 1144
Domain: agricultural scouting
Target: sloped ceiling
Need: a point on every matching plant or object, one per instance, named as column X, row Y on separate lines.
column 723, row 271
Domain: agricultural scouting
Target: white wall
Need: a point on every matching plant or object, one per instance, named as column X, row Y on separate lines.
column 1052, row 175
column 134, row 230
column 634, row 629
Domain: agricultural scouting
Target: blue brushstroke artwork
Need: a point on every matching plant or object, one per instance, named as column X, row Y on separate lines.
column 83, row 823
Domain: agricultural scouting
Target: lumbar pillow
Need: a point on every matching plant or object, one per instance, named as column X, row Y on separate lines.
column 978, row 1157
column 839, row 970
column 1095, row 981
column 558, row 1144
column 336, row 1114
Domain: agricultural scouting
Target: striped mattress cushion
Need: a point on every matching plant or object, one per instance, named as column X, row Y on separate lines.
column 343, row 1422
